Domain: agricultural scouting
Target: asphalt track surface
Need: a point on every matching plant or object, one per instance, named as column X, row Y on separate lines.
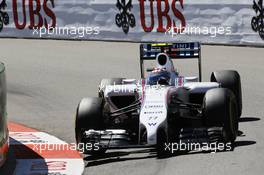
column 46, row 80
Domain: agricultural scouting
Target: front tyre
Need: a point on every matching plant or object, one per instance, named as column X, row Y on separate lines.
column 220, row 110
column 88, row 116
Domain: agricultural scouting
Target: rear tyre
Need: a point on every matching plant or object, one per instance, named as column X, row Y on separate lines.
column 220, row 110
column 231, row 80
column 89, row 116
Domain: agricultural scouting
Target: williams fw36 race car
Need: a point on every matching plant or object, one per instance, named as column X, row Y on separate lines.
column 162, row 107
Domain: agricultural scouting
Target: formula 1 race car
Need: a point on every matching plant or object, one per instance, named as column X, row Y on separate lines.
column 156, row 110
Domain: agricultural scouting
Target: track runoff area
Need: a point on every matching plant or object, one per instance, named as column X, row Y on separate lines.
column 39, row 153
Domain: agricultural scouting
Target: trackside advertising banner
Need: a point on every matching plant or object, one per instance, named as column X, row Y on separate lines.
column 207, row 21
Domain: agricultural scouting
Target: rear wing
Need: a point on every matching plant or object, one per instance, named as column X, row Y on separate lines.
column 190, row 50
